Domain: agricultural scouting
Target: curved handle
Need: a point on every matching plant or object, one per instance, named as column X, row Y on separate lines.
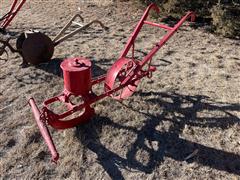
column 69, row 23
column 98, row 22
column 44, row 130
column 138, row 28
column 189, row 14
column 154, row 7
column 82, row 27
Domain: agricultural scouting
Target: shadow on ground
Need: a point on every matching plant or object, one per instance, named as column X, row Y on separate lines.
column 53, row 67
column 170, row 144
column 179, row 109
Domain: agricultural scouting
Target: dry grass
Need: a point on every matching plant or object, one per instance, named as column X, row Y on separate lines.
column 226, row 20
column 222, row 16
column 190, row 105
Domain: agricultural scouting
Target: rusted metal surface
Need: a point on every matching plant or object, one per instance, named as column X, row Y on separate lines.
column 37, row 47
column 120, row 82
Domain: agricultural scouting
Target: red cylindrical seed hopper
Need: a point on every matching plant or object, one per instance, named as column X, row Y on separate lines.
column 77, row 75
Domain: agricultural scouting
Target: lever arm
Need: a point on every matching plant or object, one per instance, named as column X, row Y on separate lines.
column 44, row 130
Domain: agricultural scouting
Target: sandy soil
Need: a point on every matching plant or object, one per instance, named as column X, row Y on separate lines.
column 189, row 107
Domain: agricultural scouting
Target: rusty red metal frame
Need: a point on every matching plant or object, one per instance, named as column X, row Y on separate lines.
column 129, row 71
column 7, row 18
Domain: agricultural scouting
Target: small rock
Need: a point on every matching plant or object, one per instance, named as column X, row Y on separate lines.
column 155, row 145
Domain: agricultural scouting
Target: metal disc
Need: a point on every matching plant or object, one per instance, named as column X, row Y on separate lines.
column 37, row 48
column 116, row 76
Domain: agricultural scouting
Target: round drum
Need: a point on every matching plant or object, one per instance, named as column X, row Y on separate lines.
column 77, row 75
column 35, row 46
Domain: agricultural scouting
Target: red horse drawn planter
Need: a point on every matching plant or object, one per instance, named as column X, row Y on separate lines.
column 120, row 82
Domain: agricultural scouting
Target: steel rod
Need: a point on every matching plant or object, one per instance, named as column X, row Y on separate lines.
column 13, row 14
column 44, row 130
column 158, row 25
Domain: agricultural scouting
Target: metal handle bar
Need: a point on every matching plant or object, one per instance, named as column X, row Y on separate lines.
column 12, row 13
column 63, row 30
column 165, row 38
column 58, row 39
column 191, row 14
column 44, row 130
column 138, row 28
column 171, row 31
column 158, row 25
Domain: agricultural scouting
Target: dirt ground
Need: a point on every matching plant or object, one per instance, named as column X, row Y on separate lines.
column 183, row 123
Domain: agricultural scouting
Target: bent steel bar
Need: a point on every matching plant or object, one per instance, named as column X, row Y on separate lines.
column 138, row 28
column 60, row 37
column 171, row 31
column 81, row 28
column 158, row 25
column 6, row 16
column 166, row 37
column 12, row 13
column 44, row 130
column 148, row 57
